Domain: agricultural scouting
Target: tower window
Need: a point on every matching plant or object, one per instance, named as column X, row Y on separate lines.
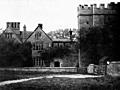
column 87, row 22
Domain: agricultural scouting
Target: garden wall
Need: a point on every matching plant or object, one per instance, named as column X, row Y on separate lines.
column 114, row 68
column 44, row 69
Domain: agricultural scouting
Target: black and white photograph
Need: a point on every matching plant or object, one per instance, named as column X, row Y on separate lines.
column 59, row 45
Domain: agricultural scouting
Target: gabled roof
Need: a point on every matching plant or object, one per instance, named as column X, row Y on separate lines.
column 34, row 31
column 12, row 32
column 28, row 33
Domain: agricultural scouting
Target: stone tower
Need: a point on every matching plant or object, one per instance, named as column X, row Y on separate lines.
column 96, row 16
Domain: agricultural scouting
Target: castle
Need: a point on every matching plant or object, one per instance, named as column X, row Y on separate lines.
column 89, row 16
column 106, row 17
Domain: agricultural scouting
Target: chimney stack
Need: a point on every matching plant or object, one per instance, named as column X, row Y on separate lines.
column 14, row 25
column 70, row 34
column 24, row 33
column 24, row 27
column 40, row 25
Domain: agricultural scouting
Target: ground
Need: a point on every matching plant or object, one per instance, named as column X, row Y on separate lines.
column 58, row 83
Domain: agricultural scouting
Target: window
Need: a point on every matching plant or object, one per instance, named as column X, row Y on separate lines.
column 15, row 25
column 8, row 35
column 60, row 44
column 37, row 46
column 12, row 25
column 18, row 25
column 33, row 46
column 67, row 44
column 37, row 35
column 37, row 61
column 87, row 22
column 55, row 45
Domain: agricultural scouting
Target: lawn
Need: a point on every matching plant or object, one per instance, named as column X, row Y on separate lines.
column 102, row 83
column 57, row 83
column 13, row 75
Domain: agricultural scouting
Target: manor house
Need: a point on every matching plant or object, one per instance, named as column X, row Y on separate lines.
column 39, row 41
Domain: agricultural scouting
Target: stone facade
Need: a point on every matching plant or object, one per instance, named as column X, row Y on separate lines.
column 12, row 31
column 100, row 16
column 113, row 68
column 96, row 16
column 39, row 40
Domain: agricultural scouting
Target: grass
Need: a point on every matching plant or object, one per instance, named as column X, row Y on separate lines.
column 103, row 83
column 12, row 75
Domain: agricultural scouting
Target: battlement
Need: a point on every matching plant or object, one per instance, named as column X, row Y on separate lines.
column 102, row 9
column 111, row 5
column 94, row 15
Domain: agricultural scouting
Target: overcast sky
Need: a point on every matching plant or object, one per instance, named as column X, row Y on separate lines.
column 53, row 14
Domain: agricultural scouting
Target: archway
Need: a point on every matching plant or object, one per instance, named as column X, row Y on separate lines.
column 56, row 64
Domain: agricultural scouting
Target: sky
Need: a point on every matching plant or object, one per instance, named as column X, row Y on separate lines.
column 53, row 14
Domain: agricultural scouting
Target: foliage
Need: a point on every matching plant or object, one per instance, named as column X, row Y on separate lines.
column 62, row 34
column 55, row 52
column 13, row 54
column 95, row 43
column 26, row 53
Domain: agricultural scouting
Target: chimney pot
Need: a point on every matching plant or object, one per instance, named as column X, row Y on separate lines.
column 40, row 25
column 70, row 34
column 24, row 27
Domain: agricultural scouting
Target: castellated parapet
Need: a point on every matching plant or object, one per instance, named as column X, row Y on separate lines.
column 94, row 16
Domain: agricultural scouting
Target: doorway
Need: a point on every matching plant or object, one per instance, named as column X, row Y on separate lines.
column 56, row 64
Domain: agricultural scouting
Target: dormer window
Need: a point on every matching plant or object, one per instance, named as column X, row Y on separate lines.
column 87, row 22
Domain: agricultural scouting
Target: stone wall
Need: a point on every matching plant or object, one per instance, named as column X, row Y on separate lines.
column 95, row 16
column 44, row 69
column 114, row 68
column 67, row 61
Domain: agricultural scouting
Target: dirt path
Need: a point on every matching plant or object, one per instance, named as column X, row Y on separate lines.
column 49, row 76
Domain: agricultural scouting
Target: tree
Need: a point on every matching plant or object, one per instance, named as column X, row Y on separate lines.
column 62, row 34
column 55, row 52
column 95, row 43
column 13, row 54
column 26, row 54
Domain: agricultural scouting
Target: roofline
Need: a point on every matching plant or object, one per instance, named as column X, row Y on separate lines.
column 47, row 35
column 64, row 41
column 34, row 31
column 14, row 33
